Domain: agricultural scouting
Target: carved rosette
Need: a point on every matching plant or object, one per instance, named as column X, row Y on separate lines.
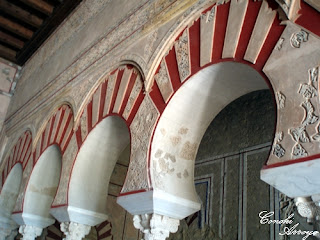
column 278, row 150
column 74, row 231
column 298, row 38
column 30, row 232
column 155, row 226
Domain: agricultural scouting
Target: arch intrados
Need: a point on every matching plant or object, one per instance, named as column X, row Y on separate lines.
column 42, row 186
column 94, row 165
column 184, row 118
column 10, row 190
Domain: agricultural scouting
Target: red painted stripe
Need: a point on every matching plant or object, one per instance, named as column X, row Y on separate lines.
column 23, row 146
column 53, row 118
column 194, row 36
column 247, row 28
column 27, row 159
column 19, row 143
column 84, row 53
column 65, row 128
column 102, row 99
column 59, row 124
column 28, row 147
column 78, row 137
column 67, row 142
column 116, row 89
column 102, row 225
column 289, row 162
column 171, row 61
column 14, row 157
column 7, row 165
column 220, row 31
column 89, row 117
column 135, row 107
column 157, row 98
column 53, row 235
column 309, row 18
column 105, row 235
column 269, row 44
column 42, row 142
column 133, row 192
column 132, row 80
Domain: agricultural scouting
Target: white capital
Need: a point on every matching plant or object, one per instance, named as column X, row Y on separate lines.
column 30, row 232
column 155, row 226
column 74, row 231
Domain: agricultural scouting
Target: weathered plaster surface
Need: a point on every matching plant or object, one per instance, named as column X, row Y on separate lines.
column 297, row 95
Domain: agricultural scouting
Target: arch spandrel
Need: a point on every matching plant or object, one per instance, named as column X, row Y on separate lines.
column 247, row 32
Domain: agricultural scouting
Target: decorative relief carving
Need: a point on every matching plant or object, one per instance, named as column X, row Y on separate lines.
column 278, row 150
column 298, row 151
column 281, row 100
column 307, row 208
column 310, row 117
column 74, row 231
column 314, row 75
column 152, row 38
column 141, row 131
column 300, row 134
column 133, row 96
column 163, row 81
column 298, row 38
column 209, row 16
column 30, row 232
column 182, row 52
column 308, row 91
column 155, row 226
column 279, row 44
column 316, row 137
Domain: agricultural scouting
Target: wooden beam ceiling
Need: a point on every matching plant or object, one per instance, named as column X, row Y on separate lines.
column 26, row 24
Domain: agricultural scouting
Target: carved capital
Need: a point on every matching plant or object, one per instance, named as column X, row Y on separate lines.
column 74, row 231
column 154, row 226
column 30, row 232
column 307, row 208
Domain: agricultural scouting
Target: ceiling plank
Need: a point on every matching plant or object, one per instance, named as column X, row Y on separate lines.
column 7, row 53
column 60, row 13
column 15, row 28
column 11, row 40
column 40, row 5
column 19, row 13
